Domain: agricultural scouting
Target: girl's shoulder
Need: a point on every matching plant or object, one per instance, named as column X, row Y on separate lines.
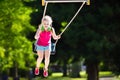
column 49, row 28
column 41, row 27
column 52, row 28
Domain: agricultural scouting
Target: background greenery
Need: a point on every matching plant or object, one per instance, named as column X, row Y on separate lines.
column 92, row 39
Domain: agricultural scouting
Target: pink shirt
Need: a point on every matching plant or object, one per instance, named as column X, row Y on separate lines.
column 45, row 38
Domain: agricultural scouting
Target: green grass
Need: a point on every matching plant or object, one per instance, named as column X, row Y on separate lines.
column 117, row 77
column 58, row 76
column 101, row 74
column 84, row 75
column 105, row 74
column 53, row 78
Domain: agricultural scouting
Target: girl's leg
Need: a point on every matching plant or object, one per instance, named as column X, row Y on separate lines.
column 47, row 59
column 39, row 60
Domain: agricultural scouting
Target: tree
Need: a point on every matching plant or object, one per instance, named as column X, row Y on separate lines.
column 15, row 28
column 100, row 24
column 91, row 35
column 95, row 37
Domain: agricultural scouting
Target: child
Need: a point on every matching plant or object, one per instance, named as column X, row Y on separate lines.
column 43, row 36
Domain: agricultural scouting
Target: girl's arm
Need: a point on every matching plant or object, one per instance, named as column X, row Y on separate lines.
column 37, row 32
column 54, row 34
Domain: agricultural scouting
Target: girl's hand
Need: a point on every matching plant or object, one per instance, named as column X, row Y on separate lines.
column 58, row 36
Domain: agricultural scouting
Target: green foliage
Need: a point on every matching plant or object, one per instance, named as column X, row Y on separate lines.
column 15, row 25
column 93, row 34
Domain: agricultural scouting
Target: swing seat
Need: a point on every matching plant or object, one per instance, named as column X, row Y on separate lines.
column 53, row 51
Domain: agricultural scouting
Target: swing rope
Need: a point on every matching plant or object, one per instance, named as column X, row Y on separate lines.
column 45, row 9
column 72, row 18
column 68, row 23
column 71, row 21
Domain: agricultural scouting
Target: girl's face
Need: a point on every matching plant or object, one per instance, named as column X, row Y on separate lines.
column 46, row 23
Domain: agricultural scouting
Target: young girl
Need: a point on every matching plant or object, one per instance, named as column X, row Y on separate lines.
column 43, row 36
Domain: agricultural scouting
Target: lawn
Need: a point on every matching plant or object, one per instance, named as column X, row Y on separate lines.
column 57, row 76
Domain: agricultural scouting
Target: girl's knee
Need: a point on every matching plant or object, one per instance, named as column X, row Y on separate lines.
column 40, row 57
column 47, row 56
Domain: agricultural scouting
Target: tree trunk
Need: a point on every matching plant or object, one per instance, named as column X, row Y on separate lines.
column 92, row 71
column 65, row 69
column 0, row 75
column 75, row 70
column 16, row 77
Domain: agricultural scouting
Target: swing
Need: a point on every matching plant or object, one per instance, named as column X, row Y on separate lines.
column 45, row 3
column 64, row 1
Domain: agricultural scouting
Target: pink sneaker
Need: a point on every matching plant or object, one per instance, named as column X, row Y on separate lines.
column 45, row 73
column 36, row 71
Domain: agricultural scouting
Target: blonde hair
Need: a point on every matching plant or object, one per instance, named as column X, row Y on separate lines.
column 47, row 18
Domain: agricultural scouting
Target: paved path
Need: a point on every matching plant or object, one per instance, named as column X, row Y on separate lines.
column 107, row 78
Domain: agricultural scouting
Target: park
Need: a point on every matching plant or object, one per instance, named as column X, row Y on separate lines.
column 89, row 47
